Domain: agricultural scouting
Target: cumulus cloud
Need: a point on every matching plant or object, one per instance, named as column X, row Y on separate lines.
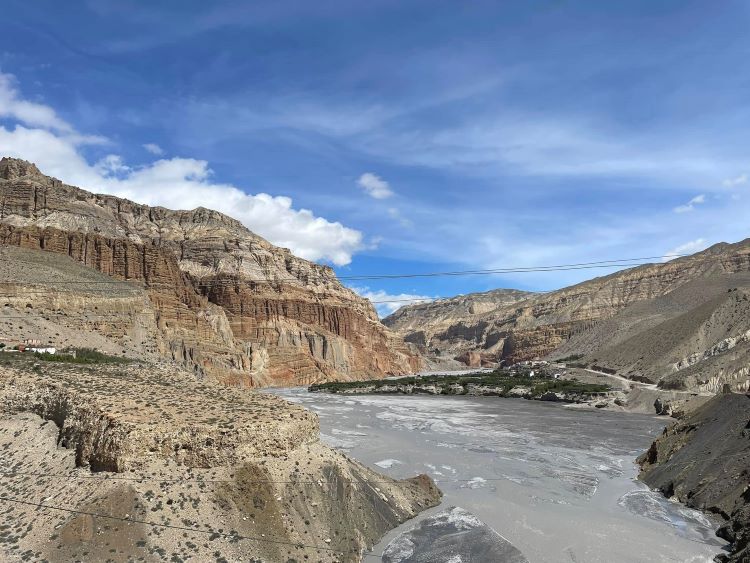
column 387, row 303
column 690, row 205
column 688, row 248
column 737, row 181
column 40, row 136
column 154, row 149
column 375, row 186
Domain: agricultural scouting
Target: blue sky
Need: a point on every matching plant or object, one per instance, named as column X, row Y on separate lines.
column 393, row 136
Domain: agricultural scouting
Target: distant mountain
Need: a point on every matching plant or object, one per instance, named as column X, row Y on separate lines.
column 226, row 303
column 683, row 323
column 441, row 328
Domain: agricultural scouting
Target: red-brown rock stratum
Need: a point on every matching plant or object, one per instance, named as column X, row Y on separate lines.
column 203, row 289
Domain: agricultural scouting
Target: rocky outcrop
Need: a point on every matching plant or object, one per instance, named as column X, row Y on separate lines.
column 704, row 462
column 142, row 461
column 265, row 316
column 458, row 328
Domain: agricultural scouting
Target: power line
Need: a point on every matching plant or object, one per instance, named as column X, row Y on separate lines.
column 520, row 269
column 176, row 527
column 62, row 476
column 210, row 284
column 620, row 262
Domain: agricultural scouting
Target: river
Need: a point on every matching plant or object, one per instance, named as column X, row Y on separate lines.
column 557, row 483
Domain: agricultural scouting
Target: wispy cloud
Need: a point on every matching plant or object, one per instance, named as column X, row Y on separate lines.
column 387, row 303
column 395, row 214
column 690, row 205
column 690, row 247
column 14, row 107
column 375, row 186
column 154, row 149
column 29, row 113
column 736, row 181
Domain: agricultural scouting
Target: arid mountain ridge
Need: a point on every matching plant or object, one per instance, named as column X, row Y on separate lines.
column 683, row 323
column 226, row 303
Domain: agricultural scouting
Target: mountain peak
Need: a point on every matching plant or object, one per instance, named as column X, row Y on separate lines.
column 15, row 168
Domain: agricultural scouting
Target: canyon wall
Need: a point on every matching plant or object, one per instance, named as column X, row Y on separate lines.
column 228, row 303
column 588, row 318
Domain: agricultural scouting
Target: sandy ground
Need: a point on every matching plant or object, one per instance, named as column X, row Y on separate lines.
column 558, row 484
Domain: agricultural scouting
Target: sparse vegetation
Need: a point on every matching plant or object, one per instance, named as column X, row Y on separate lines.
column 81, row 356
column 499, row 382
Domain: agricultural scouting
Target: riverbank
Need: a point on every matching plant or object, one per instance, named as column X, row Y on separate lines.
column 499, row 383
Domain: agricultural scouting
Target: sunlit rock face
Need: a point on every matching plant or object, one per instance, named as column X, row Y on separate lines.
column 229, row 304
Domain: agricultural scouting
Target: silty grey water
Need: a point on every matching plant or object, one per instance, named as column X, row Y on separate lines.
column 557, row 483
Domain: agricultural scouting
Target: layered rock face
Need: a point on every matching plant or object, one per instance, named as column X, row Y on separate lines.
column 230, row 304
column 590, row 314
column 445, row 329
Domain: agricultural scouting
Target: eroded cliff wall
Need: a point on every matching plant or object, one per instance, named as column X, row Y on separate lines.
column 537, row 325
column 229, row 304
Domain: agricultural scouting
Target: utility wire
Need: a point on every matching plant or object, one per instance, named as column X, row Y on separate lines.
column 393, row 481
column 210, row 284
column 580, row 265
column 174, row 526
column 621, row 262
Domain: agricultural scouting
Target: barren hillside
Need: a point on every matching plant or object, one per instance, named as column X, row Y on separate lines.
column 138, row 461
column 652, row 321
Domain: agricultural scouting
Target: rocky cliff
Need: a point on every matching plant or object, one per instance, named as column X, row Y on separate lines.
column 442, row 328
column 139, row 461
column 228, row 303
column 588, row 318
column 704, row 462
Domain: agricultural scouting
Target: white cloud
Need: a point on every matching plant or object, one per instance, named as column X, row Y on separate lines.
column 30, row 113
column 178, row 183
column 688, row 248
column 387, row 303
column 154, row 149
column 690, row 205
column 111, row 165
column 375, row 186
column 737, row 181
column 33, row 114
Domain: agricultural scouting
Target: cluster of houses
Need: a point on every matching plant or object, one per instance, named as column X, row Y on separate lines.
column 541, row 368
column 29, row 345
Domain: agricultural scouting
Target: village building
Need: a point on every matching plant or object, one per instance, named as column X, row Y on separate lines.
column 44, row 350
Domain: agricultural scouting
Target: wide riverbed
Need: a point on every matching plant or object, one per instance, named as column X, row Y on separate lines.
column 557, row 483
